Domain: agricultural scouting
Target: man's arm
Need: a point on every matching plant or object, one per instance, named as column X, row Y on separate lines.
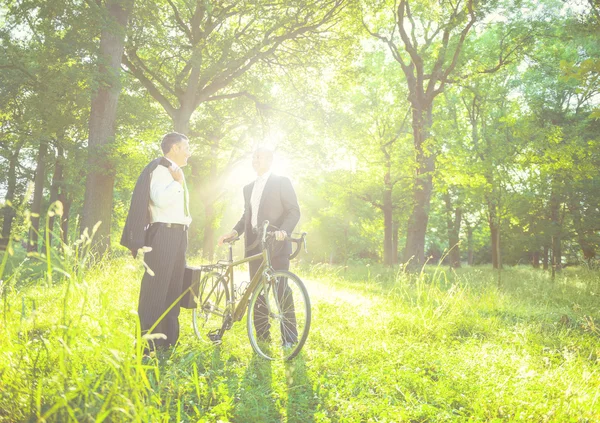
column 241, row 225
column 291, row 209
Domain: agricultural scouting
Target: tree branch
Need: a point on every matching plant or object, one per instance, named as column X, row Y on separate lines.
column 412, row 51
column 154, row 92
column 132, row 52
column 393, row 48
column 369, row 200
column 240, row 66
column 412, row 27
column 180, row 22
column 461, row 40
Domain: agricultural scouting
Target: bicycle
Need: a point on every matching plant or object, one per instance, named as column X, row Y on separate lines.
column 276, row 302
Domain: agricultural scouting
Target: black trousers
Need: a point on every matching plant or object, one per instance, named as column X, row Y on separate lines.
column 159, row 292
column 289, row 329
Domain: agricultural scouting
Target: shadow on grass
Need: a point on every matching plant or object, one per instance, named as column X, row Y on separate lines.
column 206, row 373
column 255, row 401
column 301, row 404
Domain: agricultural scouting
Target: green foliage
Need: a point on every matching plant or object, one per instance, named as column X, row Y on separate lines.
column 341, row 226
column 514, row 134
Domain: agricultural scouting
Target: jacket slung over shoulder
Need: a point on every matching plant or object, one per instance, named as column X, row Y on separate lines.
column 138, row 217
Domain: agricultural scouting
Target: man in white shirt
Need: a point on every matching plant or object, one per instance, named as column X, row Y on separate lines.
column 270, row 197
column 167, row 236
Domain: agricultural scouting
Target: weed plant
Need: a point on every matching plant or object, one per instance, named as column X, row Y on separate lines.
column 385, row 346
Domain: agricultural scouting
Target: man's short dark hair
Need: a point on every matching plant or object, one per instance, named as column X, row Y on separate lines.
column 170, row 140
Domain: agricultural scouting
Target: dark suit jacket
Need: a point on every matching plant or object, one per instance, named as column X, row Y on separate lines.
column 138, row 218
column 278, row 205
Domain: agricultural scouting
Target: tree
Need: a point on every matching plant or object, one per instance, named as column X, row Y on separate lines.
column 97, row 206
column 201, row 57
column 561, row 106
column 14, row 137
column 206, row 57
column 427, row 45
column 369, row 125
column 45, row 80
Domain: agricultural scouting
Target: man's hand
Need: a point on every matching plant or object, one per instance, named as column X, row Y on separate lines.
column 176, row 173
column 231, row 234
column 280, row 235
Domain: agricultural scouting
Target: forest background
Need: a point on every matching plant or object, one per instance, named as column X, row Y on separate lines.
column 409, row 130
column 446, row 157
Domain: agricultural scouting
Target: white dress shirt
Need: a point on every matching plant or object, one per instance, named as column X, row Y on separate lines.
column 167, row 198
column 257, row 191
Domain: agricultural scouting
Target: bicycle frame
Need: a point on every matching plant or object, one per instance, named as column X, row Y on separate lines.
column 236, row 308
column 239, row 306
column 218, row 286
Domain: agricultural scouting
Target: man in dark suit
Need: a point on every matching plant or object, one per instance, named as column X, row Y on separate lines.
column 270, row 197
column 161, row 202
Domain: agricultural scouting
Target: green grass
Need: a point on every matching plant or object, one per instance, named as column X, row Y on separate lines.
column 384, row 347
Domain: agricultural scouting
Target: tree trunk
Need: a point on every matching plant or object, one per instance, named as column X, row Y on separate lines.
column 10, row 210
column 99, row 185
column 55, row 189
column 346, row 246
column 535, row 259
column 545, row 257
column 396, row 236
column 494, row 230
column 187, row 100
column 181, row 122
column 414, row 253
column 212, row 189
column 499, row 255
column 195, row 186
column 208, row 187
column 64, row 223
column 208, row 244
column 587, row 248
column 495, row 234
column 556, row 229
column 38, row 195
column 457, row 223
column 453, row 218
column 557, row 253
column 470, row 252
column 388, row 242
column 183, row 115
column 422, row 92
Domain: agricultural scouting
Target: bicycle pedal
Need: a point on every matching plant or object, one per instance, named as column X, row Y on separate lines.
column 228, row 322
column 215, row 336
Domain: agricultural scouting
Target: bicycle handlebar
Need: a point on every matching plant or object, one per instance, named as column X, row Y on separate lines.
column 231, row 240
column 298, row 241
column 268, row 234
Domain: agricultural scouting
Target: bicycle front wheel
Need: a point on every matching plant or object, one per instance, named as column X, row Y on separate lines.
column 279, row 316
column 212, row 304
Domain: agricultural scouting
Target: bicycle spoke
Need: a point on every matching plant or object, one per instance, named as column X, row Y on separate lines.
column 212, row 307
column 279, row 317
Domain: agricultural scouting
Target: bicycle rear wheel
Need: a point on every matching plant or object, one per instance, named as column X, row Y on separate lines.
column 212, row 304
column 279, row 316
